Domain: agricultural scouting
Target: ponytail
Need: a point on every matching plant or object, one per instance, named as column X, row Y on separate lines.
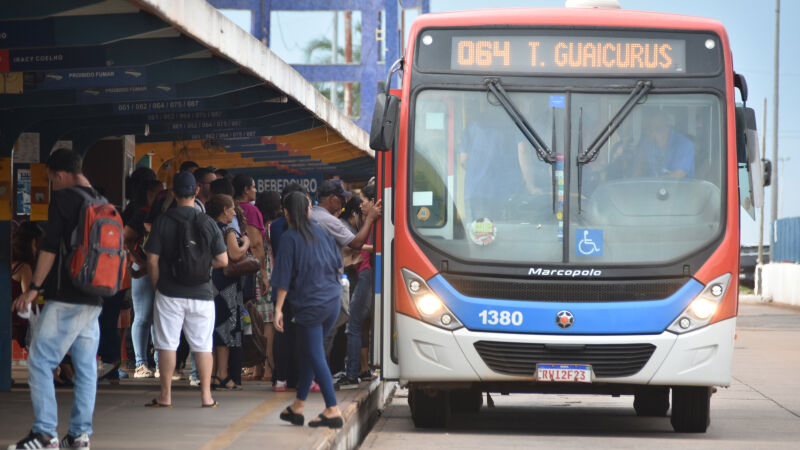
column 296, row 204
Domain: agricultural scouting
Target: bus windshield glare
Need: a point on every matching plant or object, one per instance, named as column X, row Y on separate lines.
column 652, row 192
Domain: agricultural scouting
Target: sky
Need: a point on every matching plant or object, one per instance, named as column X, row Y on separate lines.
column 751, row 30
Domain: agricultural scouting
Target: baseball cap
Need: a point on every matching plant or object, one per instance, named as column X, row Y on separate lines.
column 332, row 187
column 184, row 184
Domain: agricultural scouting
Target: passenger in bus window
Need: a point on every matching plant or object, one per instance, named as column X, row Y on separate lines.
column 666, row 152
column 490, row 163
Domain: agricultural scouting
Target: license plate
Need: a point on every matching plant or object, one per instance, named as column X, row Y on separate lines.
column 564, row 373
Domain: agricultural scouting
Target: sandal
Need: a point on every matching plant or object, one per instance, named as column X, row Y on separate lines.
column 249, row 374
column 223, row 384
column 155, row 404
column 218, row 384
column 292, row 417
column 212, row 405
column 330, row 422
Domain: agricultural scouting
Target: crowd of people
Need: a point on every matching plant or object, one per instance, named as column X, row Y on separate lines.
column 223, row 282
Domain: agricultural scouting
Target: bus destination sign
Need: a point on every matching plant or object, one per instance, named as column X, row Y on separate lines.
column 562, row 55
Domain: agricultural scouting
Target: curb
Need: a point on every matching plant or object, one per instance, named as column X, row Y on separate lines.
column 359, row 418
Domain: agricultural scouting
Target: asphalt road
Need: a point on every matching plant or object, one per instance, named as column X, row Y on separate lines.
column 761, row 408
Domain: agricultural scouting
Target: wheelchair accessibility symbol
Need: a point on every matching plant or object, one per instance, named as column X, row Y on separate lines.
column 588, row 242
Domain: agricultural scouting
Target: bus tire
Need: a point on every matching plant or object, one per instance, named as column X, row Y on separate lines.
column 651, row 401
column 429, row 408
column 466, row 401
column 691, row 409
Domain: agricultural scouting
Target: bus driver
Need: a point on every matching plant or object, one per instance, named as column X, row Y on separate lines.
column 665, row 152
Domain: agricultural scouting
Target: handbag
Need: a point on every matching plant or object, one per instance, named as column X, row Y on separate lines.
column 246, row 265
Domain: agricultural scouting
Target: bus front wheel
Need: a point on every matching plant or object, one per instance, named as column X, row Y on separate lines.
column 691, row 409
column 467, row 401
column 651, row 401
column 429, row 408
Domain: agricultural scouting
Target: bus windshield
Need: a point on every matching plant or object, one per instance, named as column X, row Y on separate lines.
column 481, row 192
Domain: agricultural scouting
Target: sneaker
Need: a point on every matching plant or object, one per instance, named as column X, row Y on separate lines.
column 104, row 369
column 314, row 387
column 157, row 373
column 339, row 375
column 366, row 375
column 193, row 380
column 346, row 383
column 143, row 372
column 70, row 441
column 122, row 374
column 279, row 386
column 35, row 440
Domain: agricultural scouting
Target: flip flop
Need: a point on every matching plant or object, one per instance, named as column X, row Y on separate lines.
column 330, row 422
column 212, row 405
column 155, row 404
column 292, row 417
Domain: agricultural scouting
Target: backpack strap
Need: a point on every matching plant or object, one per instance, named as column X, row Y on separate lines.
column 169, row 198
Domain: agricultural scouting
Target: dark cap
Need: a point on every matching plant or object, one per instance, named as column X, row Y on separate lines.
column 332, row 187
column 184, row 184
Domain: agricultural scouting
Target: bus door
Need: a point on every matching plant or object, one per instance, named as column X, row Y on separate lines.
column 383, row 323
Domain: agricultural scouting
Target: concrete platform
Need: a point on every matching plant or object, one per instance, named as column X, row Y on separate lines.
column 244, row 419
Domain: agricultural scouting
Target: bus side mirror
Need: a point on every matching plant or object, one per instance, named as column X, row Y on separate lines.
column 767, row 171
column 751, row 174
column 384, row 122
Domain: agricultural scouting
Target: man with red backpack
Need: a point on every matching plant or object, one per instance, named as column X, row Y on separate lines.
column 74, row 292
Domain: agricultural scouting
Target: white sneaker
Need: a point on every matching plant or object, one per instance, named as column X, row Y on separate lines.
column 175, row 375
column 143, row 372
column 279, row 386
column 71, row 441
column 193, row 380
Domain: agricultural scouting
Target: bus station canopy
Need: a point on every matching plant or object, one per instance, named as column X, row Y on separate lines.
column 179, row 76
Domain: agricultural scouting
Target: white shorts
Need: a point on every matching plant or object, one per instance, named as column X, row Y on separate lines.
column 195, row 317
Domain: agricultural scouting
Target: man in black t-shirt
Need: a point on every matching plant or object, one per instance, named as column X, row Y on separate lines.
column 68, row 321
column 177, row 305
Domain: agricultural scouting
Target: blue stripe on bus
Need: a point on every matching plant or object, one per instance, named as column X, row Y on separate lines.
column 625, row 317
column 378, row 274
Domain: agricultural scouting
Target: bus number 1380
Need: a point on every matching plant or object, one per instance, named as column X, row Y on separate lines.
column 505, row 318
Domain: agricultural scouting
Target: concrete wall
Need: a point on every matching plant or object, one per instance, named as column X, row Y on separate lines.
column 781, row 282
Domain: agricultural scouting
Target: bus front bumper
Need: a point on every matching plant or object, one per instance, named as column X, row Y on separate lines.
column 699, row 358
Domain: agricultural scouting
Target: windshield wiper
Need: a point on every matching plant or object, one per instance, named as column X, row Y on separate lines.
column 591, row 152
column 543, row 152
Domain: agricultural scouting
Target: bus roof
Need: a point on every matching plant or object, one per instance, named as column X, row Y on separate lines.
column 624, row 18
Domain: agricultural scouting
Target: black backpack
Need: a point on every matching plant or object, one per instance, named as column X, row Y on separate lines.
column 191, row 263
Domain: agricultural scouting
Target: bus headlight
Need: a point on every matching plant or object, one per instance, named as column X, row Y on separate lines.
column 429, row 304
column 702, row 309
column 430, row 307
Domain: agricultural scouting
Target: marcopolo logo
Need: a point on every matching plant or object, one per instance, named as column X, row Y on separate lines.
column 574, row 273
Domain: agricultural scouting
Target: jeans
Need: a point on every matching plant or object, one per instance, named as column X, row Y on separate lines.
column 312, row 358
column 110, row 343
column 143, row 297
column 193, row 372
column 64, row 327
column 359, row 307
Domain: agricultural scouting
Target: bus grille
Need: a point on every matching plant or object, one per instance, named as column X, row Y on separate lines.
column 613, row 360
column 569, row 291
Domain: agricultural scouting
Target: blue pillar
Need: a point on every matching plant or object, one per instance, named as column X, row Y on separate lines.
column 368, row 72
column 6, row 151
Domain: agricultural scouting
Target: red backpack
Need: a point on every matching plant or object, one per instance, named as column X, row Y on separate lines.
column 97, row 258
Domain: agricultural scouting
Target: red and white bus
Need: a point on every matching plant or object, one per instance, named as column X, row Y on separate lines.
column 562, row 191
